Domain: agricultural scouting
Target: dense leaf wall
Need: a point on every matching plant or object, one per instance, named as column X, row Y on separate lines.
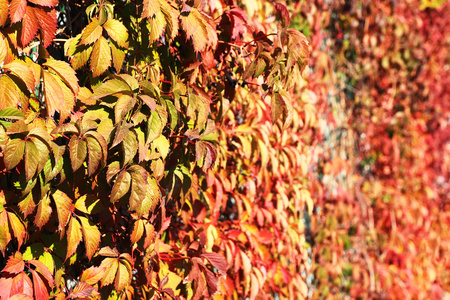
column 153, row 149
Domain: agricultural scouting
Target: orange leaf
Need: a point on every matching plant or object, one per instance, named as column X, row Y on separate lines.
column 54, row 95
column 29, row 26
column 64, row 208
column 23, row 72
column 107, row 251
column 100, row 57
column 116, row 31
column 43, row 269
column 91, row 33
column 92, row 275
column 10, row 94
column 110, row 265
column 17, row 227
column 43, row 212
column 123, row 277
column 138, row 230
column 91, row 236
column 17, row 10
column 3, row 13
column 40, row 290
column 151, row 8
column 82, row 290
column 13, row 153
column 50, row 3
column 21, row 285
column 47, row 23
column 73, row 236
column 65, row 71
column 15, row 264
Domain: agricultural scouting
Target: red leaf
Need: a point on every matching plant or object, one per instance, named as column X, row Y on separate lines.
column 5, row 289
column 43, row 270
column 15, row 264
column 17, row 10
column 40, row 290
column 47, row 23
column 22, row 285
column 217, row 260
column 49, row 3
column 29, row 26
column 282, row 14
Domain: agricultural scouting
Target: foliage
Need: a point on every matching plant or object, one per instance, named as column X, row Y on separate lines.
column 382, row 215
column 161, row 151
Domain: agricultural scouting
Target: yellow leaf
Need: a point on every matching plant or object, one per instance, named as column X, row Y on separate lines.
column 17, row 227
column 91, row 33
column 123, row 277
column 3, row 46
column 116, row 31
column 23, row 72
column 3, row 14
column 118, row 57
column 54, row 95
column 65, row 71
column 10, row 94
column 73, row 236
column 110, row 265
column 43, row 213
column 151, row 7
column 151, row 198
column 91, row 236
column 138, row 230
column 64, row 208
column 100, row 57
column 156, row 24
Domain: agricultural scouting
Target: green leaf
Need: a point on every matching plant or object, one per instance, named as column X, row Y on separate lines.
column 14, row 151
column 121, row 186
column 11, row 113
column 78, row 152
column 123, row 105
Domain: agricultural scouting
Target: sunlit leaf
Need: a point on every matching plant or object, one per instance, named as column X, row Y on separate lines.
column 116, row 31
column 91, row 236
column 74, row 236
column 100, row 57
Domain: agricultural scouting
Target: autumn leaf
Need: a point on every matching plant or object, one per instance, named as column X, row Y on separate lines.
column 81, row 290
column 93, row 275
column 15, row 264
column 64, row 208
column 116, row 31
column 217, row 261
column 40, row 290
column 3, row 15
column 17, row 10
column 91, row 33
column 91, row 236
column 138, row 231
column 123, row 275
column 43, row 213
column 110, row 265
column 17, row 227
column 23, row 72
column 78, row 152
column 14, row 152
column 100, row 57
column 47, row 21
column 54, row 95
column 74, row 236
column 65, row 72
column 121, row 186
column 29, row 26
